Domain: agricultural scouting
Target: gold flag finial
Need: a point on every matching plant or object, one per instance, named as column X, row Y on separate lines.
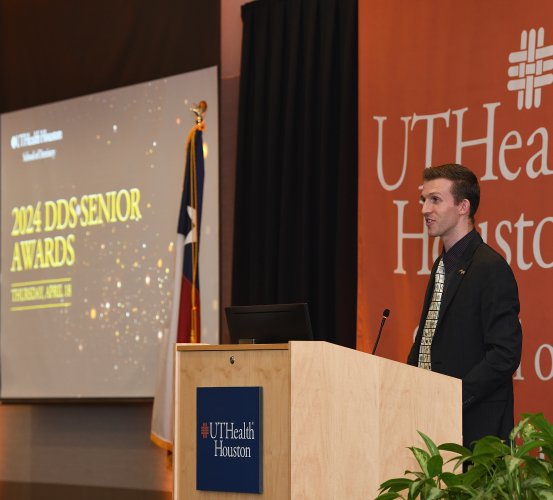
column 199, row 110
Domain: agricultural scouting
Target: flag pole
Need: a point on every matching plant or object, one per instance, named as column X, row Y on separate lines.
column 199, row 111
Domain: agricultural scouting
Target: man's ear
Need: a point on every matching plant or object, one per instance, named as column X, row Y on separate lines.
column 464, row 207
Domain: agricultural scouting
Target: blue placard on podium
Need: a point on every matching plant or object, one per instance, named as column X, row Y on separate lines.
column 229, row 439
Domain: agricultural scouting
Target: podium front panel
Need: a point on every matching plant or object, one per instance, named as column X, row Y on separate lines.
column 234, row 366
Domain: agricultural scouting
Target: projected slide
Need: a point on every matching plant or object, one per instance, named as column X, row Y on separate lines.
column 91, row 191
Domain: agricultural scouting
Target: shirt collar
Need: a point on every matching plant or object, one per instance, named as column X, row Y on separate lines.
column 454, row 254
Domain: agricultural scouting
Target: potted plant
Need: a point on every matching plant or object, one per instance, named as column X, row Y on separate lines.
column 520, row 470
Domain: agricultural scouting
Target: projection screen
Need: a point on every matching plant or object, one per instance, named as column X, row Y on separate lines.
column 90, row 196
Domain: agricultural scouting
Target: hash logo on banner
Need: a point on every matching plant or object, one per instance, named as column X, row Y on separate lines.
column 530, row 67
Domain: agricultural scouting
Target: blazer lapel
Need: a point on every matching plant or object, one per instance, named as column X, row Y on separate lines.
column 457, row 278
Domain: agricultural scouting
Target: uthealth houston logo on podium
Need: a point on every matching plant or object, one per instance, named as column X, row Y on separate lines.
column 229, row 439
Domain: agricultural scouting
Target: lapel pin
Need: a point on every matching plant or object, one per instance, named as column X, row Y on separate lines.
column 461, row 272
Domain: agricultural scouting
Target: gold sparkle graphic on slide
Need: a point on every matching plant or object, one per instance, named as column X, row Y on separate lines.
column 135, row 290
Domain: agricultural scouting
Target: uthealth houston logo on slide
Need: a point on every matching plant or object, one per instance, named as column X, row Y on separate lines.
column 530, row 67
column 36, row 138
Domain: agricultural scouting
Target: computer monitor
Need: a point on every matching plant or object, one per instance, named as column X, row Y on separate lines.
column 268, row 324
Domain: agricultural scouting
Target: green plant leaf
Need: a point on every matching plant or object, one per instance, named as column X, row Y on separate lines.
column 414, row 489
column 450, row 479
column 417, row 474
column 491, row 445
column 432, row 448
column 455, row 448
column 396, row 484
column 435, row 493
column 536, row 482
column 484, row 459
column 538, row 468
column 435, row 465
column 541, row 423
column 459, row 463
column 388, row 496
column 419, row 487
column 422, row 458
column 463, row 490
column 474, row 475
column 518, row 428
column 528, row 446
column 545, row 494
column 513, row 463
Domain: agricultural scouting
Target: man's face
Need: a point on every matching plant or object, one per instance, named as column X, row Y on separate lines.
column 441, row 214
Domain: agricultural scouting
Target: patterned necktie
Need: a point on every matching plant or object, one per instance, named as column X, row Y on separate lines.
column 432, row 318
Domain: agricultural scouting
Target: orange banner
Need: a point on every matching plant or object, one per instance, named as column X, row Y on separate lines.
column 469, row 82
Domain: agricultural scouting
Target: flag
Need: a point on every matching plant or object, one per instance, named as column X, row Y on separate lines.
column 185, row 316
column 189, row 228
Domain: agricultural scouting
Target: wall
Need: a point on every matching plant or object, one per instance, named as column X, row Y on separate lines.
column 80, row 451
column 231, row 47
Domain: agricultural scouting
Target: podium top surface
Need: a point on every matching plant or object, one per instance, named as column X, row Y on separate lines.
column 233, row 347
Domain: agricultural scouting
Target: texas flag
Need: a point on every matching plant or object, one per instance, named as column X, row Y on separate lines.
column 189, row 239
column 185, row 318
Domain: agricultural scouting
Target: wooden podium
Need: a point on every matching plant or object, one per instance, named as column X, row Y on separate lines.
column 336, row 422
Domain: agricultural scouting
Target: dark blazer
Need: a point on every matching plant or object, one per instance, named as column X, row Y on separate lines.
column 478, row 338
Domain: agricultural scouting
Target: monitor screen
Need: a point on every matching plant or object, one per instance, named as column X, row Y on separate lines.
column 269, row 324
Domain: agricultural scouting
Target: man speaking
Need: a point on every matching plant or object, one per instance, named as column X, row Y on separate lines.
column 469, row 326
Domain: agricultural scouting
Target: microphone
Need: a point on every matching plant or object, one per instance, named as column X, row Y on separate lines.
column 385, row 315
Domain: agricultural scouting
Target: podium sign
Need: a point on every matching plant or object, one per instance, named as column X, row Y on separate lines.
column 229, row 439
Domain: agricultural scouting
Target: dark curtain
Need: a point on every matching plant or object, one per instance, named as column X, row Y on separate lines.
column 295, row 237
